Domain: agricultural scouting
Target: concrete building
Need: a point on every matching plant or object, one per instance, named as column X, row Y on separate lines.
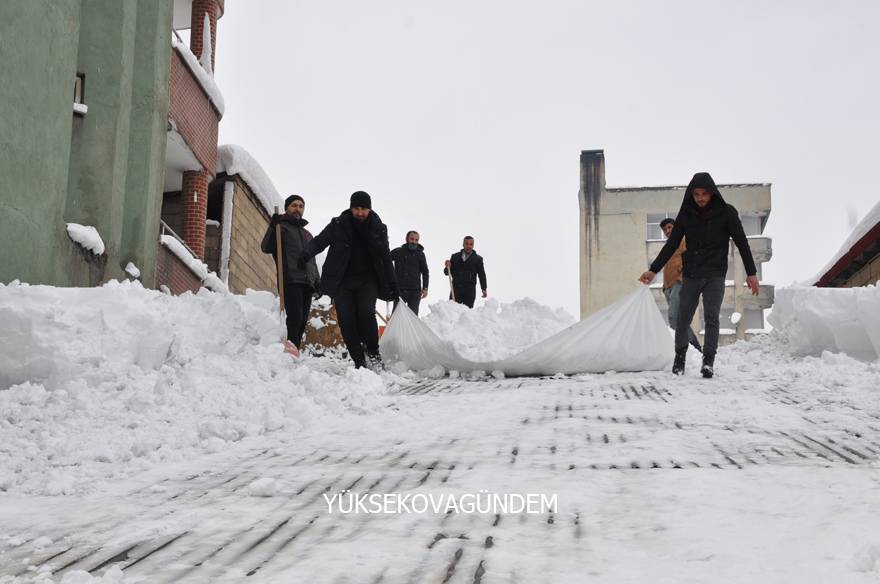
column 83, row 114
column 620, row 235
column 857, row 262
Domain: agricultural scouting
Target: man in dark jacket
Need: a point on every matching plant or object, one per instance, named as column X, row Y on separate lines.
column 708, row 223
column 300, row 282
column 411, row 268
column 357, row 270
column 466, row 267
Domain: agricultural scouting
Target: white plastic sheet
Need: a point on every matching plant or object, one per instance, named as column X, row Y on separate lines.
column 628, row 335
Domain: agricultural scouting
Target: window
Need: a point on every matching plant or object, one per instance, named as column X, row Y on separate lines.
column 654, row 219
column 79, row 95
column 79, row 88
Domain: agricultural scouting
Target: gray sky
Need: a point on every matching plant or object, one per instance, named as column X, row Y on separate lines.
column 469, row 117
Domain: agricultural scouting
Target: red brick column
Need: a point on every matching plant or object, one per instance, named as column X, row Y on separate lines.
column 194, row 196
column 199, row 8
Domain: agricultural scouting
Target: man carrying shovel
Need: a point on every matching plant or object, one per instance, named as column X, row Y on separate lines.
column 296, row 284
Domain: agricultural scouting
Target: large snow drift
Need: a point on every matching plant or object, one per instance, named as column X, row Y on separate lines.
column 496, row 329
column 839, row 320
column 103, row 382
column 628, row 335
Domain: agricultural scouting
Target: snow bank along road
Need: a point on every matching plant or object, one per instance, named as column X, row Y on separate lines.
column 762, row 475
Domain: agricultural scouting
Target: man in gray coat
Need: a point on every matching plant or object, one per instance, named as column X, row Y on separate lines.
column 300, row 283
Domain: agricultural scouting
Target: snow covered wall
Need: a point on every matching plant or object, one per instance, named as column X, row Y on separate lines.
column 104, row 382
column 839, row 320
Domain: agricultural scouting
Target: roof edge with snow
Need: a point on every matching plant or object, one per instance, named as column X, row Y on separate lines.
column 235, row 160
column 864, row 236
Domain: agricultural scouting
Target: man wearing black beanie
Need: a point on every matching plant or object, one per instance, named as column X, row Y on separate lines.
column 357, row 271
column 300, row 281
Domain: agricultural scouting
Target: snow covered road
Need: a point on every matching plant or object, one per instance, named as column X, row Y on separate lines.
column 757, row 477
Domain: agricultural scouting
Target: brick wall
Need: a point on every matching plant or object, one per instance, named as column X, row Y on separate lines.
column 869, row 274
column 193, row 113
column 212, row 247
column 194, row 199
column 172, row 272
column 249, row 267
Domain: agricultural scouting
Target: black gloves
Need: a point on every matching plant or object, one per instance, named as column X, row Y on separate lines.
column 276, row 219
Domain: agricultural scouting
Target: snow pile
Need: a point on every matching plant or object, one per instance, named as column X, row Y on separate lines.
column 98, row 383
column 233, row 159
column 869, row 222
column 495, row 330
column 132, row 270
column 205, row 79
column 844, row 320
column 198, row 267
column 86, row 236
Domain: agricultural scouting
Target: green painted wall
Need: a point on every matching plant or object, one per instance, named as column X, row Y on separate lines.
column 38, row 41
column 102, row 169
column 149, row 112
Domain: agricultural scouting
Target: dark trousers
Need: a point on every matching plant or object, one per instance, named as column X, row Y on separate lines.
column 465, row 296
column 673, row 301
column 297, row 303
column 712, row 290
column 412, row 299
column 356, row 310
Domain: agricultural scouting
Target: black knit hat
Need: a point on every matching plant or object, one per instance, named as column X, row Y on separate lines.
column 291, row 199
column 360, row 199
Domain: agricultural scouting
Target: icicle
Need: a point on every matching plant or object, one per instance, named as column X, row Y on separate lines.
column 206, row 56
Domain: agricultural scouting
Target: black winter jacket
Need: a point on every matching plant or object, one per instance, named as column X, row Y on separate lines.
column 411, row 267
column 708, row 232
column 465, row 273
column 338, row 235
column 294, row 237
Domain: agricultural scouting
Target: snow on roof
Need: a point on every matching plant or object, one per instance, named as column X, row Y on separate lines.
column 233, row 159
column 199, row 268
column 869, row 222
column 86, row 236
column 204, row 78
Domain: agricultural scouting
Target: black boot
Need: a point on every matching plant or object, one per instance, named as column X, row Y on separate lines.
column 708, row 369
column 678, row 364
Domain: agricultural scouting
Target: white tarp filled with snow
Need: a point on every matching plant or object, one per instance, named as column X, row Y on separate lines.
column 840, row 320
column 628, row 335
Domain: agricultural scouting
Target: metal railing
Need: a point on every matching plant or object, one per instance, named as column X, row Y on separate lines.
column 164, row 229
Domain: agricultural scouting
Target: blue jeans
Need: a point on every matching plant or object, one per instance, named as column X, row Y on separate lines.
column 712, row 290
column 673, row 301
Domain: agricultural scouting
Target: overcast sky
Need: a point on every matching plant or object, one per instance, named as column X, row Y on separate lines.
column 468, row 117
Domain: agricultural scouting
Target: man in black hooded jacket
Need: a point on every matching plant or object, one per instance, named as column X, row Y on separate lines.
column 708, row 223
column 300, row 282
column 357, row 271
column 411, row 268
